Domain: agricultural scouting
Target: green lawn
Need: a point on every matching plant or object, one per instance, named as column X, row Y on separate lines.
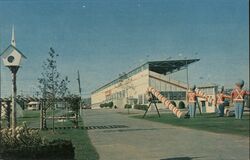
column 83, row 147
column 207, row 122
column 84, row 150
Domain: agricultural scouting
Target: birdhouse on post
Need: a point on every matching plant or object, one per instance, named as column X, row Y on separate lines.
column 12, row 57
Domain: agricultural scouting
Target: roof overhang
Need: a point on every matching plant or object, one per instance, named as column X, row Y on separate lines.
column 170, row 66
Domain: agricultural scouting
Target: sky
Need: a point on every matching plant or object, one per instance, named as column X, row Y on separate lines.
column 103, row 38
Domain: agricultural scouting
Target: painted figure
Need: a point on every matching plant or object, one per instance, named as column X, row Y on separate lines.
column 237, row 96
column 192, row 99
column 220, row 101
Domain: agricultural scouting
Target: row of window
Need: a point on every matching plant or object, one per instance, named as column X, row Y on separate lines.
column 174, row 95
column 130, row 74
column 142, row 99
column 163, row 86
column 117, row 95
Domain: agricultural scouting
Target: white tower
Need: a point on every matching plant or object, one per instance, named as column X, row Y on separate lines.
column 13, row 41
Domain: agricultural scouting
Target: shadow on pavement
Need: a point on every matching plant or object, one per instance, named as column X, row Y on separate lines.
column 181, row 158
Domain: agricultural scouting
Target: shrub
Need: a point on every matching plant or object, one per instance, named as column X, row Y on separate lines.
column 110, row 104
column 127, row 106
column 102, row 105
column 57, row 149
column 181, row 105
column 107, row 105
column 173, row 103
column 141, row 107
column 22, row 137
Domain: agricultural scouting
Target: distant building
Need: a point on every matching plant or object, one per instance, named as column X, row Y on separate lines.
column 87, row 101
column 33, row 105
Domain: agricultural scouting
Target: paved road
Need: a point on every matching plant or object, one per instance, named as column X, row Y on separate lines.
column 145, row 140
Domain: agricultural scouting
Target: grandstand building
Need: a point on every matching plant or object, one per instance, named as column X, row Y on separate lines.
column 131, row 87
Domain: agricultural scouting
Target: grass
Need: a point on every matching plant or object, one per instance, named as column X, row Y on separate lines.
column 207, row 122
column 83, row 146
column 84, row 150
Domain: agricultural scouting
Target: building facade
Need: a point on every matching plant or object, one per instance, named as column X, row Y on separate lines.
column 130, row 88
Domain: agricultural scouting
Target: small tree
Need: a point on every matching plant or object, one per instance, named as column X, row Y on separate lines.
column 63, row 87
column 74, row 105
column 50, row 83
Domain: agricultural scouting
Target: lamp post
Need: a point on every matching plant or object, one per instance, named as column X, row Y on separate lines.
column 187, row 72
column 187, row 77
column 12, row 57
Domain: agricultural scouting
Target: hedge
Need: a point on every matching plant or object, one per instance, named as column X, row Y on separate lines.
column 55, row 150
column 141, row 107
column 107, row 105
column 127, row 106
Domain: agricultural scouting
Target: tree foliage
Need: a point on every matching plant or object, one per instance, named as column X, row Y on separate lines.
column 51, row 84
column 74, row 102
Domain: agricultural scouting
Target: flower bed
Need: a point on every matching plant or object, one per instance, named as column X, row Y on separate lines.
column 58, row 149
column 27, row 144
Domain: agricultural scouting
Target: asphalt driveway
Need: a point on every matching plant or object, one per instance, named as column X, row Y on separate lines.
column 136, row 139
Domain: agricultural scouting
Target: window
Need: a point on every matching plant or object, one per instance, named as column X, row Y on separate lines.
column 145, row 99
column 140, row 99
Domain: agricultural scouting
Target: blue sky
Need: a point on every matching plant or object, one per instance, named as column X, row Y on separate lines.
column 103, row 38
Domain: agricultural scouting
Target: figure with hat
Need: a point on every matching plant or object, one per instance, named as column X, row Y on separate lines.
column 220, row 101
column 192, row 98
column 237, row 97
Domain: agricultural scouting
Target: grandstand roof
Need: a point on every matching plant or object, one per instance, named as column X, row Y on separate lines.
column 169, row 66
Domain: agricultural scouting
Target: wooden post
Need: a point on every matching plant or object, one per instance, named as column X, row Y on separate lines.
column 7, row 113
column 44, row 115
column 41, row 114
column 53, row 115
column 14, row 70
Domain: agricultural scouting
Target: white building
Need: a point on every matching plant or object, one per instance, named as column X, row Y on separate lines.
column 131, row 87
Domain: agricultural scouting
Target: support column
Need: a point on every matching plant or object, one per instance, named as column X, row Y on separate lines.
column 14, row 70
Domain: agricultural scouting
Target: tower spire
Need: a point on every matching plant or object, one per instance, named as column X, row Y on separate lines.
column 13, row 41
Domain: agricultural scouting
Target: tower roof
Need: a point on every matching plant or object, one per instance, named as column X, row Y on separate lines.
column 13, row 40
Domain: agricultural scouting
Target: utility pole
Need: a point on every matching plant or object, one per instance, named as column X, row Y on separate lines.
column 80, row 91
column 79, row 83
column 187, row 78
